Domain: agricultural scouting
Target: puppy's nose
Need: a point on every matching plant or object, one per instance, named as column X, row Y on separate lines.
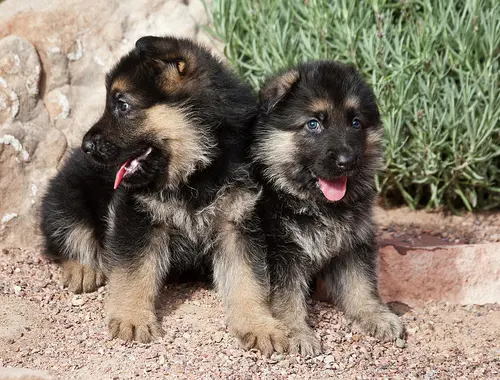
column 88, row 146
column 90, row 142
column 345, row 161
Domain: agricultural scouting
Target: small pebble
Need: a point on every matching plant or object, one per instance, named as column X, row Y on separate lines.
column 400, row 343
column 77, row 301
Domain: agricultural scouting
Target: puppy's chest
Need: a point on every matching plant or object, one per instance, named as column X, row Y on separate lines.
column 322, row 238
column 176, row 216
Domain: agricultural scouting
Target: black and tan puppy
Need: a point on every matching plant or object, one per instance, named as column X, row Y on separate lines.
column 172, row 138
column 317, row 147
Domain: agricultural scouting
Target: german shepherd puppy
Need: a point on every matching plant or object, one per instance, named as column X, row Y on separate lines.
column 316, row 150
column 172, row 142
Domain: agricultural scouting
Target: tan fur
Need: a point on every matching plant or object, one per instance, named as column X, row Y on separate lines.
column 277, row 150
column 81, row 278
column 373, row 147
column 120, row 84
column 81, row 240
column 319, row 105
column 171, row 81
column 189, row 148
column 132, row 296
column 279, row 86
column 291, row 308
column 352, row 102
column 360, row 301
column 245, row 300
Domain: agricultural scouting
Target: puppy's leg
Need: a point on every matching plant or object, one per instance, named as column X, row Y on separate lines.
column 80, row 261
column 289, row 305
column 137, row 255
column 351, row 282
column 131, row 304
column 241, row 279
column 81, row 278
column 73, row 213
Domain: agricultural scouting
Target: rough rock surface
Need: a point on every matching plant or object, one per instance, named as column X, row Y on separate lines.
column 53, row 58
column 460, row 274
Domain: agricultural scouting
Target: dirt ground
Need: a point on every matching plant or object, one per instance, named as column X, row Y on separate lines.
column 45, row 327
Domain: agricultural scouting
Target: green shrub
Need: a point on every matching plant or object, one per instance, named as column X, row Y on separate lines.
column 434, row 65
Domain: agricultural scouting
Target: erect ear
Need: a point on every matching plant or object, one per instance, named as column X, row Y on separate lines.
column 174, row 58
column 277, row 87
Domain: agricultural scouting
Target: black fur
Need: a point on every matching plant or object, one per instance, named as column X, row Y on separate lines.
column 307, row 235
column 184, row 119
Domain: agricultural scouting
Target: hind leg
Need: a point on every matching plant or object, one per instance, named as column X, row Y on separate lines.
column 351, row 282
column 81, row 278
column 81, row 260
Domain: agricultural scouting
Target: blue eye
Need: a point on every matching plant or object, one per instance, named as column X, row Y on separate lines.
column 313, row 125
column 356, row 123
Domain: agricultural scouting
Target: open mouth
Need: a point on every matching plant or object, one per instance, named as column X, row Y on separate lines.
column 129, row 167
column 334, row 190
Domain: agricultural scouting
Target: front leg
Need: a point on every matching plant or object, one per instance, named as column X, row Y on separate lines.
column 138, row 261
column 241, row 278
column 290, row 287
column 350, row 280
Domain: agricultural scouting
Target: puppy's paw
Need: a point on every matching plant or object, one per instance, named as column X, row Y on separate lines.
column 304, row 342
column 138, row 325
column 80, row 278
column 383, row 325
column 267, row 336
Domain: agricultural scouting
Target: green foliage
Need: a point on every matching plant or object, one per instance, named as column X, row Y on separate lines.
column 434, row 65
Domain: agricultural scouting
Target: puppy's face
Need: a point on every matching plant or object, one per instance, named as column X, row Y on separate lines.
column 148, row 130
column 319, row 133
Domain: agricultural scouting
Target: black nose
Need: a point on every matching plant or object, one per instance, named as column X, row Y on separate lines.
column 88, row 146
column 345, row 161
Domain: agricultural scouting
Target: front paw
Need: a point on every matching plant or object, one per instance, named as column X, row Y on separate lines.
column 383, row 325
column 267, row 335
column 304, row 342
column 138, row 325
column 80, row 278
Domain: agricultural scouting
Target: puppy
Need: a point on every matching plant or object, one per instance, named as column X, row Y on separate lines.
column 172, row 142
column 317, row 145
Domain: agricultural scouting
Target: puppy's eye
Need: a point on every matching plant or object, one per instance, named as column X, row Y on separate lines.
column 122, row 106
column 356, row 123
column 313, row 125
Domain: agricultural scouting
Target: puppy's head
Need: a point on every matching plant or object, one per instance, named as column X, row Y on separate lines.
column 319, row 132
column 150, row 129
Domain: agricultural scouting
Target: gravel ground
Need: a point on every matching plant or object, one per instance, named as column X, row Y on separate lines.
column 45, row 327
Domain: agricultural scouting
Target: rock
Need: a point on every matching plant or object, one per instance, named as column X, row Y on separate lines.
column 400, row 343
column 53, row 59
column 20, row 70
column 329, row 359
column 23, row 374
column 57, row 105
column 460, row 274
column 77, row 301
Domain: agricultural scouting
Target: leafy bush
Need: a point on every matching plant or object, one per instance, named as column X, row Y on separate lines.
column 434, row 65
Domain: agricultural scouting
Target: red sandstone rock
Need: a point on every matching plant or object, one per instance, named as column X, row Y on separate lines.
column 461, row 274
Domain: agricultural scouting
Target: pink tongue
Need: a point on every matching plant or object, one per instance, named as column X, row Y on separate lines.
column 333, row 190
column 120, row 173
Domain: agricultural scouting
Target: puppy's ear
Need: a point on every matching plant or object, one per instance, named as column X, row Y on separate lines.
column 276, row 88
column 174, row 59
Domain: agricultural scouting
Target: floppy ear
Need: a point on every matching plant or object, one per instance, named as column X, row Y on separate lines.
column 173, row 58
column 277, row 87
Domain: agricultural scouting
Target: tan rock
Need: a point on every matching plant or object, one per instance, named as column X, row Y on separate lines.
column 461, row 274
column 20, row 70
column 54, row 55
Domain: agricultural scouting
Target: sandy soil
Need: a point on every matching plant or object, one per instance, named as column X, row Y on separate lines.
column 45, row 327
